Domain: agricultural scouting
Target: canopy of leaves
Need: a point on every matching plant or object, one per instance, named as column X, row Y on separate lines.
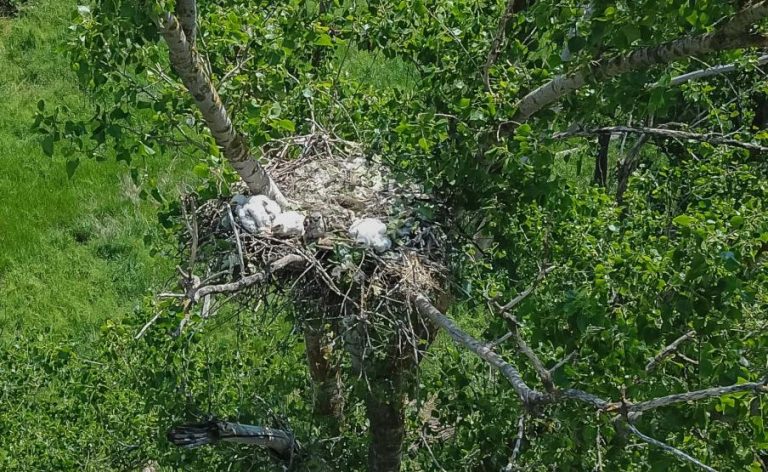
column 685, row 250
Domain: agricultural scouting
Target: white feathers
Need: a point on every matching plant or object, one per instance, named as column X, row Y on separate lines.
column 256, row 213
column 370, row 232
column 288, row 225
column 259, row 214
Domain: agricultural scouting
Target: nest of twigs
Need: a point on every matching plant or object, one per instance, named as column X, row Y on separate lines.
column 332, row 276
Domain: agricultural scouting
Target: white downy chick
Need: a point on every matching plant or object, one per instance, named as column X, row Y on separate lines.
column 256, row 213
column 288, row 225
column 370, row 232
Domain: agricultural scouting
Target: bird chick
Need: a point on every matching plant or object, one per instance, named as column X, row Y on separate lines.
column 314, row 226
column 288, row 225
column 372, row 233
column 256, row 213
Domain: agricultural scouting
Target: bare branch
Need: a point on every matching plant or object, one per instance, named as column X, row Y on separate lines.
column 711, row 71
column 146, row 326
column 538, row 366
column 675, row 452
column 518, row 444
column 196, row 293
column 189, row 66
column 733, row 34
column 528, row 291
column 669, row 350
column 711, row 138
column 627, row 166
column 757, row 387
column 527, row 395
column 562, row 362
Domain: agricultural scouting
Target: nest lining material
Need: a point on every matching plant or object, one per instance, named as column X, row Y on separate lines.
column 325, row 175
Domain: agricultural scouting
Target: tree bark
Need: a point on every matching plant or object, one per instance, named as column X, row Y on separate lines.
column 384, row 407
column 186, row 11
column 325, row 373
column 601, row 160
column 189, row 66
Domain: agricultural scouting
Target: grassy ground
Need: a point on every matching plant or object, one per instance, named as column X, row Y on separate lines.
column 71, row 251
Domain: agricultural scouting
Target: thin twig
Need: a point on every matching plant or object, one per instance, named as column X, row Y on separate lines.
column 669, row 350
column 675, row 452
column 711, row 138
column 527, row 292
column 498, row 39
column 146, row 326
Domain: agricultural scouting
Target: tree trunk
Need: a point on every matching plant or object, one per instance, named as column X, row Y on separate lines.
column 325, row 373
column 384, row 407
column 601, row 160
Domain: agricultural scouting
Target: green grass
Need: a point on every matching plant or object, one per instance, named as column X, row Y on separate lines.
column 71, row 250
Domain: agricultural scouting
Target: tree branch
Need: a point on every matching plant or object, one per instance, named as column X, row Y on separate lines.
column 675, row 452
column 757, row 387
column 198, row 292
column 189, row 66
column 513, row 6
column 732, row 35
column 711, row 71
column 528, row 396
column 711, row 138
column 669, row 350
column 528, row 291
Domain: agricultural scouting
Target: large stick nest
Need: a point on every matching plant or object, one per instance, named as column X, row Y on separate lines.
column 320, row 173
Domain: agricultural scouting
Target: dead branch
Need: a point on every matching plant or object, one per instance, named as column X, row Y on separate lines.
column 675, row 452
column 711, row 138
column 669, row 350
column 712, row 71
column 513, row 6
column 756, row 387
column 198, row 292
column 562, row 362
column 529, row 396
column 528, row 291
column 627, row 166
column 538, row 366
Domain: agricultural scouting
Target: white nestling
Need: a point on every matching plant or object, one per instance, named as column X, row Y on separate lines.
column 372, row 233
column 256, row 213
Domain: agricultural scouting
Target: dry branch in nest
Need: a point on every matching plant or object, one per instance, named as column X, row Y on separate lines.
column 326, row 274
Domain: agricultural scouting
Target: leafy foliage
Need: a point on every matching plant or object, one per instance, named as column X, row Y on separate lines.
column 684, row 251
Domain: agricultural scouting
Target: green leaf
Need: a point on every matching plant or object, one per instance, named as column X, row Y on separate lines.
column 324, row 40
column 72, row 166
column 201, row 170
column 286, row 125
column 48, row 145
column 684, row 221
